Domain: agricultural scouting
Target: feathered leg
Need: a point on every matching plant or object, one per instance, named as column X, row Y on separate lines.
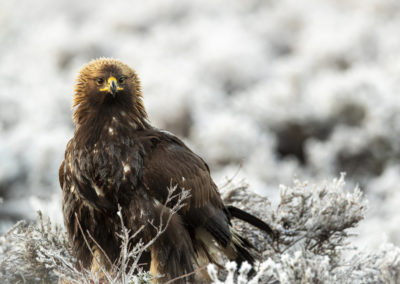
column 172, row 254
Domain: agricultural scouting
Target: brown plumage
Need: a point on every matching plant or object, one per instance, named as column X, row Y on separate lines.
column 117, row 157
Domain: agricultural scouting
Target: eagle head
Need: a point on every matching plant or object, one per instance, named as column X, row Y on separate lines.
column 107, row 85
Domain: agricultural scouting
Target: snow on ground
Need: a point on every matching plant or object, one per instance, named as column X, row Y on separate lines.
column 276, row 88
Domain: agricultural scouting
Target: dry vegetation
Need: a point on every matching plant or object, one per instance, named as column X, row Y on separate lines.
column 311, row 243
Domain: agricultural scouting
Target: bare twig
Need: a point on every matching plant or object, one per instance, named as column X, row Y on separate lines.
column 230, row 180
column 97, row 245
column 161, row 228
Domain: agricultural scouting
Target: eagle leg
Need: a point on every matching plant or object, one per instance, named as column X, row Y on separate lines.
column 172, row 254
column 96, row 265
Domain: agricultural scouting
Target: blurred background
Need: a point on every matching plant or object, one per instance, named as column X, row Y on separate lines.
column 263, row 90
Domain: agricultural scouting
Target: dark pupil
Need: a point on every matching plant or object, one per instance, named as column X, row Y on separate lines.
column 100, row 80
column 121, row 80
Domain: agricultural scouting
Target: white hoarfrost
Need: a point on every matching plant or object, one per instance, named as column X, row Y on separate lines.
column 280, row 89
column 312, row 242
column 309, row 242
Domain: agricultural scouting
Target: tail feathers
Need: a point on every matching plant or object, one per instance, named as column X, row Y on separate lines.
column 238, row 249
column 244, row 250
column 252, row 220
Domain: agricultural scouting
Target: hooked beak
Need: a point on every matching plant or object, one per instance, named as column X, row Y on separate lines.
column 112, row 86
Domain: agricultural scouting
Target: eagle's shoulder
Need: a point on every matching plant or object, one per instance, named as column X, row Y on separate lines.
column 169, row 162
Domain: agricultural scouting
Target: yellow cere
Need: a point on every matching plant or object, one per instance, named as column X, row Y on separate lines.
column 107, row 89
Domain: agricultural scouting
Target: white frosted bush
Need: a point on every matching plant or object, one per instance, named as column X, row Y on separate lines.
column 312, row 242
column 229, row 81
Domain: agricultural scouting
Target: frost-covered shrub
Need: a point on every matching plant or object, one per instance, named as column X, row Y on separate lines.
column 34, row 252
column 41, row 253
column 312, row 242
column 316, row 217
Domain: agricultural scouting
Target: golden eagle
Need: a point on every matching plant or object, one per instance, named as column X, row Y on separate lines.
column 116, row 159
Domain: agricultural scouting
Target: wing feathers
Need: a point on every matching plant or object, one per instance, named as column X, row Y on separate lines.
column 169, row 162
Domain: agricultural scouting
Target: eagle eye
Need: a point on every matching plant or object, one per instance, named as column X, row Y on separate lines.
column 100, row 81
column 121, row 79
